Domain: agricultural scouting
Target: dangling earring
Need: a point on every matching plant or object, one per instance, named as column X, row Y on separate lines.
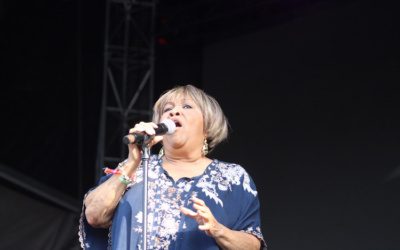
column 161, row 153
column 205, row 147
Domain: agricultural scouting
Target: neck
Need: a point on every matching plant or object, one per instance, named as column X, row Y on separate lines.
column 185, row 158
column 183, row 154
column 178, row 166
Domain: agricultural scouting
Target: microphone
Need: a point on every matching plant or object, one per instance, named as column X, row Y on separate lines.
column 166, row 126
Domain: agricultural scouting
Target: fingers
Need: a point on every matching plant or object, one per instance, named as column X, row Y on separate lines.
column 188, row 212
column 203, row 216
column 198, row 201
column 141, row 128
column 144, row 127
column 205, row 227
column 200, row 206
column 201, row 209
column 156, row 140
column 192, row 214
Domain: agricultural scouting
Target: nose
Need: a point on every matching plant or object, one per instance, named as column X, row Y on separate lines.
column 174, row 111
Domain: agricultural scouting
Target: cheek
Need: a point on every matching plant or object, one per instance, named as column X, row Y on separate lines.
column 163, row 117
column 200, row 124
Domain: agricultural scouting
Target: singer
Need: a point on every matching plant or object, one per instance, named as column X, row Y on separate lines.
column 194, row 202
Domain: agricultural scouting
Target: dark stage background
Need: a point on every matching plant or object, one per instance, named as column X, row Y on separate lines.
column 311, row 89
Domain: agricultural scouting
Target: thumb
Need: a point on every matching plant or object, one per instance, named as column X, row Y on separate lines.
column 156, row 140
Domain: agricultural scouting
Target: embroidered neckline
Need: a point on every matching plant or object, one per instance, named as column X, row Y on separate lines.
column 206, row 170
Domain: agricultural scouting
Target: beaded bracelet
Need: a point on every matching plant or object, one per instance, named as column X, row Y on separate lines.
column 123, row 178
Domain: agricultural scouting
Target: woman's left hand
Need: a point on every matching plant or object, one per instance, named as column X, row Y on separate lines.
column 204, row 218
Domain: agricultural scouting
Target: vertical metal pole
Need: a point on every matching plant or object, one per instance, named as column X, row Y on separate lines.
column 145, row 163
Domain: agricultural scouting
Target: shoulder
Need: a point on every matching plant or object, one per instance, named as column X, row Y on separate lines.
column 232, row 175
column 229, row 169
column 224, row 164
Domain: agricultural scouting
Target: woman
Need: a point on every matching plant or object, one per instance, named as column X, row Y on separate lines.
column 194, row 202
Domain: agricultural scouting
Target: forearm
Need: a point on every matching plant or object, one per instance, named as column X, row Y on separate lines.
column 101, row 202
column 229, row 239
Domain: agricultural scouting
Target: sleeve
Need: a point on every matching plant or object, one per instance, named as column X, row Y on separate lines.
column 89, row 237
column 249, row 217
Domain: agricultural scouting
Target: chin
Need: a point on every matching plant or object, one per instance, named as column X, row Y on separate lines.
column 178, row 144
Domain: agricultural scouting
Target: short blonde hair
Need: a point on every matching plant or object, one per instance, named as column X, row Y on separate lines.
column 215, row 122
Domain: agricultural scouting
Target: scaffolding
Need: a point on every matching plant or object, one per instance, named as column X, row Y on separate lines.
column 128, row 75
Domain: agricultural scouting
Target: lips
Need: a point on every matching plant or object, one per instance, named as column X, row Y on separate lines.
column 177, row 123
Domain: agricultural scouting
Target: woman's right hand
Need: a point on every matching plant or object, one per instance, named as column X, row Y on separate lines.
column 142, row 128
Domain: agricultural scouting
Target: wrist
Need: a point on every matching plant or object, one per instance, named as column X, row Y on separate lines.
column 128, row 166
column 218, row 231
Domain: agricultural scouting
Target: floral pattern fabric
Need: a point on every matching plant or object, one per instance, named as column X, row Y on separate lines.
column 226, row 188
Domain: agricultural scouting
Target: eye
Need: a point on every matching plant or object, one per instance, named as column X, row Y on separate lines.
column 187, row 106
column 167, row 109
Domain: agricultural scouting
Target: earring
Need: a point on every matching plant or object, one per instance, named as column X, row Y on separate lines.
column 161, row 153
column 205, row 147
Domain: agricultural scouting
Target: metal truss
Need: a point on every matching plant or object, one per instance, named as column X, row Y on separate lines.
column 128, row 76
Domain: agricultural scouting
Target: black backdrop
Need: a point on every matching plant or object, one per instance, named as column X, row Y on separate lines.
column 312, row 101
column 313, row 104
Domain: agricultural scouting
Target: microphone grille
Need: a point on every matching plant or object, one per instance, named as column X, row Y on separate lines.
column 170, row 125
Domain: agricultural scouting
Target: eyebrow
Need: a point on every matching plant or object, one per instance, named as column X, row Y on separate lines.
column 166, row 103
column 173, row 103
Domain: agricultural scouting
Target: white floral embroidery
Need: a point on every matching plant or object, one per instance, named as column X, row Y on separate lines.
column 164, row 201
column 224, row 176
column 81, row 232
column 246, row 185
column 139, row 217
column 256, row 232
column 209, row 189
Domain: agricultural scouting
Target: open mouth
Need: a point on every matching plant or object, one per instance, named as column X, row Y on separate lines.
column 178, row 124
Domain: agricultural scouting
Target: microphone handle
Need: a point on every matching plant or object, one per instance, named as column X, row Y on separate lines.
column 161, row 129
column 137, row 139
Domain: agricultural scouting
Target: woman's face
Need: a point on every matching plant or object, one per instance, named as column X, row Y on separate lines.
column 189, row 122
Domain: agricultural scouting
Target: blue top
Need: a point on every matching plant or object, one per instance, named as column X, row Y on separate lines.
column 226, row 188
